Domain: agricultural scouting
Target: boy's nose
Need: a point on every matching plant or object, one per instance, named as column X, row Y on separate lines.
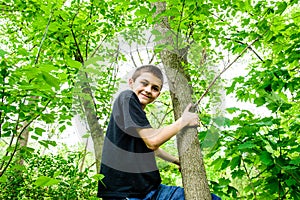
column 148, row 89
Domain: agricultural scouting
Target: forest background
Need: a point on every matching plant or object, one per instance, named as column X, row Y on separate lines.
column 63, row 61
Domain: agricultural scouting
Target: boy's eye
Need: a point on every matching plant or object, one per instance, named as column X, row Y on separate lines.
column 144, row 83
column 155, row 89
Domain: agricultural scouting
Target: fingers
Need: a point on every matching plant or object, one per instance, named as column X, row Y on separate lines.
column 188, row 107
column 190, row 118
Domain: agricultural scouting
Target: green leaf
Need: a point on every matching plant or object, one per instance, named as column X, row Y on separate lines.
column 246, row 145
column 291, row 182
column 45, row 181
column 2, row 53
column 281, row 7
column 238, row 173
column 219, row 121
column 217, row 163
column 51, row 80
column 232, row 110
column 260, row 101
column 62, row 128
column 295, row 161
column 284, row 107
column 266, row 158
column 3, row 179
column 86, row 135
column 34, row 137
column 92, row 61
column 98, row 177
column 267, row 121
column 272, row 106
column 236, row 161
column 39, row 131
column 141, row 12
column 73, row 63
column 46, row 143
column 225, row 164
column 211, row 138
column 224, row 181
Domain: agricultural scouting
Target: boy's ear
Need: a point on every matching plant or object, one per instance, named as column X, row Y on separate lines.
column 130, row 82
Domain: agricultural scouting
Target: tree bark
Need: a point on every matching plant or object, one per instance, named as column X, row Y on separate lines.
column 23, row 143
column 92, row 120
column 192, row 166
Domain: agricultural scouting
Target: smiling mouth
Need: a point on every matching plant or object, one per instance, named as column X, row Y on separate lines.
column 145, row 96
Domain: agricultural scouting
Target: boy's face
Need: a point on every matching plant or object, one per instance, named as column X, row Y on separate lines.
column 147, row 87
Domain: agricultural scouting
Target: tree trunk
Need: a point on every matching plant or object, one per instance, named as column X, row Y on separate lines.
column 92, row 120
column 192, row 165
column 23, row 143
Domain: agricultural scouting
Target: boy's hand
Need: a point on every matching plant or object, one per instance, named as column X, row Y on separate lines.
column 189, row 118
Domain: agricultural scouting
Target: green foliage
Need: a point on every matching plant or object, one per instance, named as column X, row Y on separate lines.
column 46, row 47
column 259, row 151
column 170, row 173
column 49, row 177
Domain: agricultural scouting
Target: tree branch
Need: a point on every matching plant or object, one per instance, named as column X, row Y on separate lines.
column 225, row 69
column 18, row 138
column 97, row 48
column 179, row 24
column 78, row 56
column 248, row 175
column 43, row 39
column 132, row 58
column 240, row 42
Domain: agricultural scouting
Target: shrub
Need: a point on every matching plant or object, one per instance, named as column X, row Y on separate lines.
column 49, row 177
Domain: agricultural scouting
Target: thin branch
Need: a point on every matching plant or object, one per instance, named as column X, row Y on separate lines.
column 84, row 155
column 80, row 58
column 132, row 58
column 13, row 136
column 248, row 175
column 153, row 54
column 91, row 165
column 19, row 136
column 139, row 55
column 77, row 47
column 2, row 103
column 114, row 76
column 115, row 73
column 179, row 24
column 226, row 68
column 163, row 119
column 291, row 174
column 100, row 44
column 148, row 53
column 249, row 48
column 88, row 36
column 152, row 58
column 43, row 39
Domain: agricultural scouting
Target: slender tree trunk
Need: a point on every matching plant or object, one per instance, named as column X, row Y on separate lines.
column 92, row 120
column 23, row 143
column 193, row 171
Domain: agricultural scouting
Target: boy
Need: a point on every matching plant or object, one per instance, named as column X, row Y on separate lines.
column 128, row 159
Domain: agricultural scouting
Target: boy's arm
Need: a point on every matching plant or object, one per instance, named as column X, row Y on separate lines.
column 166, row 156
column 153, row 138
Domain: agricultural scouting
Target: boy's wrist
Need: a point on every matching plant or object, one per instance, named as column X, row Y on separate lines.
column 176, row 162
column 181, row 124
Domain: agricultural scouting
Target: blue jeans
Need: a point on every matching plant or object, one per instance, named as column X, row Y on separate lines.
column 165, row 192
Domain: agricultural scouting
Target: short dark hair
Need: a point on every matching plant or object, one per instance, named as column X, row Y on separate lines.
column 148, row 68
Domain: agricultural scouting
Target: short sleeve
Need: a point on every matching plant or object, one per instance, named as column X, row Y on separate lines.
column 128, row 113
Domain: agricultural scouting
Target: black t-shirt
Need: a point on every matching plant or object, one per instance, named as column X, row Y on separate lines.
column 129, row 167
